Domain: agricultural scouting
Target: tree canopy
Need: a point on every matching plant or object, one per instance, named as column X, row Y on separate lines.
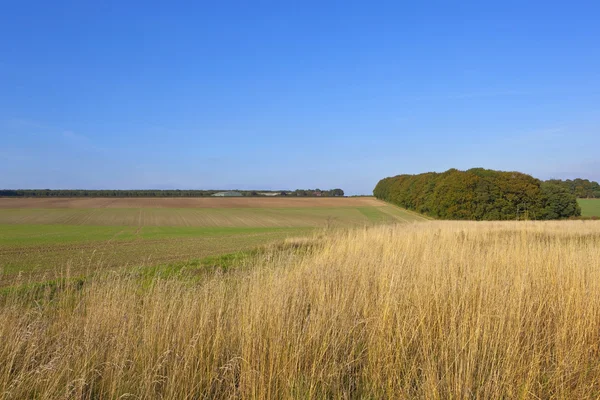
column 478, row 194
column 581, row 188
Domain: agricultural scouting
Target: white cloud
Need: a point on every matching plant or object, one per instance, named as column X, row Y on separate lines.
column 75, row 136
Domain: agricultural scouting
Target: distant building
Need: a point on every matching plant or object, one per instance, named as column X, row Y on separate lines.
column 273, row 194
column 228, row 194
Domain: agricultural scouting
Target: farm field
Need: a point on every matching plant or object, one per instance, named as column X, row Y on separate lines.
column 195, row 202
column 39, row 238
column 589, row 207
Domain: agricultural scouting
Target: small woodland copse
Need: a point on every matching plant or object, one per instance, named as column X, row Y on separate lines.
column 479, row 194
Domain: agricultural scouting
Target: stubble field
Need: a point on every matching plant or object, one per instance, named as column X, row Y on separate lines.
column 40, row 238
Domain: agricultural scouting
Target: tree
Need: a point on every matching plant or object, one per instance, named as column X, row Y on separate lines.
column 558, row 202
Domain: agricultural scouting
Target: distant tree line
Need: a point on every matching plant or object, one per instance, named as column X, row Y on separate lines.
column 479, row 194
column 164, row 193
column 581, row 188
column 317, row 193
column 105, row 193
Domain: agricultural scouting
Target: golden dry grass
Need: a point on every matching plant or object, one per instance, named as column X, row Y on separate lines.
column 434, row 310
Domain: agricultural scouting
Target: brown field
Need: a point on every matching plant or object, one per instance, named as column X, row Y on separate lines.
column 41, row 237
column 206, row 217
column 196, row 202
column 202, row 212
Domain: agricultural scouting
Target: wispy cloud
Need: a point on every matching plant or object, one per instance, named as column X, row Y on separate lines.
column 473, row 95
column 484, row 94
column 25, row 124
column 70, row 135
column 14, row 156
column 543, row 135
column 80, row 141
column 30, row 127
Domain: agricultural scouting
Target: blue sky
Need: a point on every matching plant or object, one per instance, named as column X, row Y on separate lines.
column 285, row 95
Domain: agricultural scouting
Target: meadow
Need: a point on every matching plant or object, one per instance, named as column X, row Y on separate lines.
column 589, row 207
column 430, row 310
column 39, row 238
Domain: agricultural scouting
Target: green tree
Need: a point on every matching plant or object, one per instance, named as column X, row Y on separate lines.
column 558, row 202
column 477, row 194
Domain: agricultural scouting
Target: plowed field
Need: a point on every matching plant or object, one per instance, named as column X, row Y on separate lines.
column 196, row 202
column 40, row 238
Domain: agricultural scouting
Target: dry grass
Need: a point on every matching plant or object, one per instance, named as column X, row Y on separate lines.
column 432, row 310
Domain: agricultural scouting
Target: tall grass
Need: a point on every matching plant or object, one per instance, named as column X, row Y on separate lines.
column 435, row 310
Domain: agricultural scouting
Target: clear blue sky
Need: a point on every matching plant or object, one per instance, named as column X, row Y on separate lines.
column 285, row 95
